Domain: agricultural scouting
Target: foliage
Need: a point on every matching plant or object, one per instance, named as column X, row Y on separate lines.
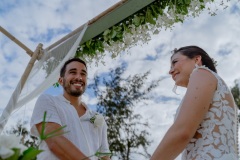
column 27, row 139
column 11, row 149
column 138, row 27
column 236, row 94
column 32, row 142
column 17, row 151
column 126, row 131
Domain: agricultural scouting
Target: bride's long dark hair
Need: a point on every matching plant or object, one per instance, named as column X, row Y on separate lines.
column 193, row 51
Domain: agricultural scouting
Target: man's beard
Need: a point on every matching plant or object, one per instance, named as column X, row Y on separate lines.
column 75, row 93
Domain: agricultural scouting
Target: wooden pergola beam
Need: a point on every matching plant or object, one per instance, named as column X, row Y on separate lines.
column 14, row 39
column 98, row 24
column 107, row 19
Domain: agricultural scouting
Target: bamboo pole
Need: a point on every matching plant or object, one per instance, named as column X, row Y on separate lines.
column 89, row 23
column 35, row 56
column 29, row 52
column 15, row 95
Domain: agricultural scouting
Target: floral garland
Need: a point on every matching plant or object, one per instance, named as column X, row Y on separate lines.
column 138, row 28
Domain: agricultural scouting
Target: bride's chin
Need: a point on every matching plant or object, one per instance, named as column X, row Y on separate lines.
column 179, row 84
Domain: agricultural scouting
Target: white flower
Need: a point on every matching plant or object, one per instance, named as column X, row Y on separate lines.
column 7, row 143
column 97, row 120
column 5, row 152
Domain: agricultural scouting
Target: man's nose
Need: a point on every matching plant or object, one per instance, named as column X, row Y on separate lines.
column 78, row 77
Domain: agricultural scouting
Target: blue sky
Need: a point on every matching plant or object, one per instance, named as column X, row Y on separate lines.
column 34, row 22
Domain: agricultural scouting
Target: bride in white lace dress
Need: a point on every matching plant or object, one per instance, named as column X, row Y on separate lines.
column 206, row 123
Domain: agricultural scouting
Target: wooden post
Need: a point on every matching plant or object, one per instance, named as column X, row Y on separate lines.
column 36, row 54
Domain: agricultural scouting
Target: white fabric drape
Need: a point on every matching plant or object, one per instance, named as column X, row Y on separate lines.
column 44, row 74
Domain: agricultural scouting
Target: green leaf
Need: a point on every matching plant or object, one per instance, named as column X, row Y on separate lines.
column 186, row 2
column 55, row 85
column 149, row 17
column 106, row 32
column 202, row 7
column 185, row 10
column 54, row 133
column 155, row 11
column 16, row 154
column 106, row 36
column 113, row 33
column 125, row 28
column 142, row 19
column 103, row 154
column 88, row 43
column 136, row 21
column 99, row 46
column 30, row 153
column 43, row 126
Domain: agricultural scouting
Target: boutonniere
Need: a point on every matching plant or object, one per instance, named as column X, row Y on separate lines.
column 97, row 120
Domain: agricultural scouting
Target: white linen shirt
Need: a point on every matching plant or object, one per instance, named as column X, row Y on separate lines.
column 81, row 132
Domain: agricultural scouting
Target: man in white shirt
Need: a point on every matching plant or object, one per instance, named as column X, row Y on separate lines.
column 87, row 130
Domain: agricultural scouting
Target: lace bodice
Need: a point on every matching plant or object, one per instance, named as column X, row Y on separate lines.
column 216, row 137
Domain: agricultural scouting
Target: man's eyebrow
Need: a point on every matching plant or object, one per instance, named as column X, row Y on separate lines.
column 72, row 69
column 75, row 69
column 85, row 71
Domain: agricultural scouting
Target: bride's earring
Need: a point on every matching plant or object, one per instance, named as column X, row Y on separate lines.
column 196, row 65
column 175, row 89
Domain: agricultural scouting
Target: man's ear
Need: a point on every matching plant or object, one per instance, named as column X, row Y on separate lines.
column 60, row 80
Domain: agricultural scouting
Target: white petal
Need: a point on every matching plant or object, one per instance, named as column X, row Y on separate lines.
column 5, row 152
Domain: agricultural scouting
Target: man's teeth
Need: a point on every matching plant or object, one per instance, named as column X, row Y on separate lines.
column 77, row 84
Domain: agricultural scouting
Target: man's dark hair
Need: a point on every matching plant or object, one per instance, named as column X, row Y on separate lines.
column 63, row 69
